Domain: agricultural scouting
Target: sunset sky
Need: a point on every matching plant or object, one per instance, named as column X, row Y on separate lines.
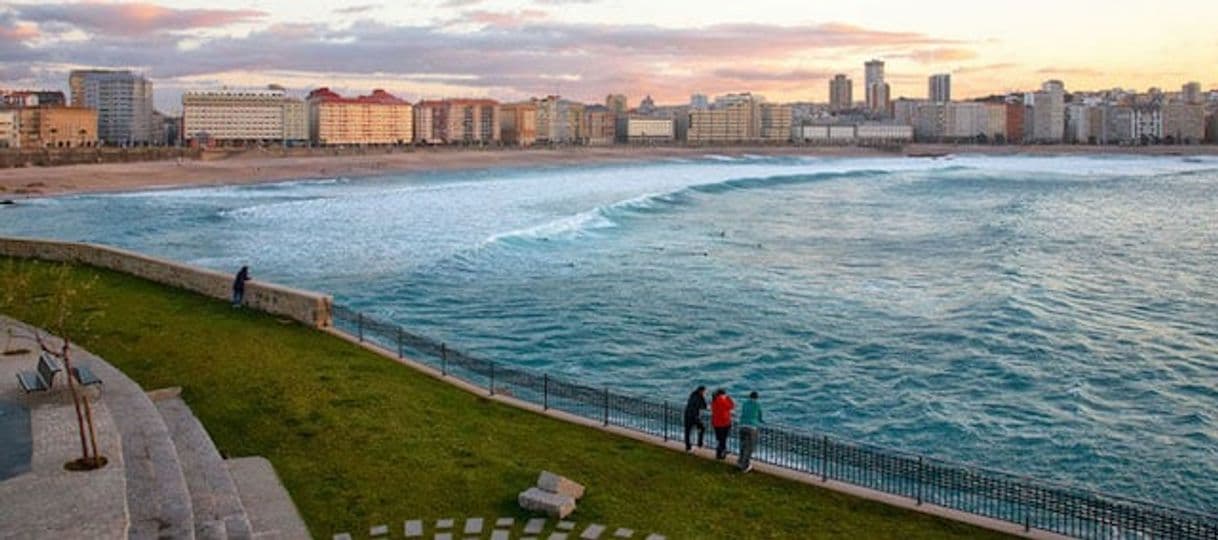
column 583, row 49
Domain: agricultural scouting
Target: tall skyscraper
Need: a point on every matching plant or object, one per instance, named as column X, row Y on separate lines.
column 940, row 90
column 877, row 90
column 123, row 101
column 841, row 93
column 1049, row 113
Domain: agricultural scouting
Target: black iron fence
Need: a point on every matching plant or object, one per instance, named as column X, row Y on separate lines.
column 1028, row 503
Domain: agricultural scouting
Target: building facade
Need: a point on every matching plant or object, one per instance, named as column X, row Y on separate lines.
column 878, row 91
column 123, row 101
column 220, row 117
column 740, row 118
column 457, row 121
column 57, row 127
column 649, row 130
column 1184, row 122
column 841, row 93
column 1049, row 113
column 599, row 126
column 32, row 98
column 378, row 118
column 940, row 88
column 518, row 124
column 295, row 121
column 9, row 136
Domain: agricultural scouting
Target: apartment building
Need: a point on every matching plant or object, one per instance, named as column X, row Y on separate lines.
column 518, row 124
column 649, row 130
column 740, row 118
column 1049, row 113
column 599, row 126
column 841, row 93
column 377, row 118
column 221, row 117
column 457, row 121
column 123, row 101
column 1184, row 122
column 57, row 127
column 9, row 136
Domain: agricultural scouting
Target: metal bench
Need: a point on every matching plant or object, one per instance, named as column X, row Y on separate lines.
column 85, row 376
column 41, row 379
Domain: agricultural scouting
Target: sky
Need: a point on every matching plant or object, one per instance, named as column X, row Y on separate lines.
column 785, row 50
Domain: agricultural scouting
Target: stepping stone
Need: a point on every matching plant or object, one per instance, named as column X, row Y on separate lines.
column 505, row 522
column 558, row 536
column 342, row 536
column 501, row 534
column 654, row 536
column 534, row 526
column 444, row 536
column 624, row 533
column 444, row 523
column 473, row 526
column 593, row 532
column 565, row 525
column 379, row 530
column 414, row 528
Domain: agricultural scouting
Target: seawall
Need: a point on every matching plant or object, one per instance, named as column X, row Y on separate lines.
column 305, row 307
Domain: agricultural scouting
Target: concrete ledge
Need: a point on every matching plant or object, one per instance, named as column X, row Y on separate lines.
column 707, row 453
column 306, row 307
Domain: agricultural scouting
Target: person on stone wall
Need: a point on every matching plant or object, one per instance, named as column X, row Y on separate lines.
column 721, row 420
column 243, row 276
column 693, row 416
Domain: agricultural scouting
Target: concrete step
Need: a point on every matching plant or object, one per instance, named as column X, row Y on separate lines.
column 218, row 512
column 271, row 510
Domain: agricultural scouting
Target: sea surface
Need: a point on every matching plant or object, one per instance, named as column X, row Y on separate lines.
column 1050, row 316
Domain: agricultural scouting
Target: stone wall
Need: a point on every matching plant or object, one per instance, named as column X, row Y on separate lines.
column 306, row 307
column 50, row 157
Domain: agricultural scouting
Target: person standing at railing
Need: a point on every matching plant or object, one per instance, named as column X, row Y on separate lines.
column 243, row 276
column 721, row 419
column 750, row 428
column 693, row 416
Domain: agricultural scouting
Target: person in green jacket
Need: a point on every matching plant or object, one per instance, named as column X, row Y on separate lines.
column 750, row 422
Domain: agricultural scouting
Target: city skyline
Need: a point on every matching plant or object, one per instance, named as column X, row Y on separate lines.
column 586, row 49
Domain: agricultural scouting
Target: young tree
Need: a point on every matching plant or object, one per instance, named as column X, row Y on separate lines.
column 55, row 303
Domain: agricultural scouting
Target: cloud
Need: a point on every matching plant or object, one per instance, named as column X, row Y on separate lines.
column 18, row 32
column 984, row 68
column 564, row 2
column 505, row 19
column 1075, row 71
column 131, row 19
column 460, row 3
column 356, row 10
column 937, row 55
column 747, row 75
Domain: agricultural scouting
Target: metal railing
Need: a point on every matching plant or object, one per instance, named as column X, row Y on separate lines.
column 1028, row 503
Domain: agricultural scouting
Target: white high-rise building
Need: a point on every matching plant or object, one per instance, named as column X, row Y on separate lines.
column 878, row 96
column 1049, row 113
column 123, row 101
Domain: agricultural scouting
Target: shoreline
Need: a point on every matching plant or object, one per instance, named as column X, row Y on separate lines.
column 39, row 182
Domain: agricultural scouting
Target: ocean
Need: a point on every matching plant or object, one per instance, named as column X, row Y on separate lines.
column 1055, row 317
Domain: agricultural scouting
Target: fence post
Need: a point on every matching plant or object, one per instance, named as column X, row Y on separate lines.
column 824, row 458
column 920, row 481
column 492, row 378
column 400, row 353
column 606, row 406
column 1027, row 509
column 666, row 421
column 359, row 325
column 545, row 391
column 443, row 360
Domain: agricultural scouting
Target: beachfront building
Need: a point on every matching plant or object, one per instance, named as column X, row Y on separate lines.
column 235, row 117
column 617, row 104
column 599, row 126
column 9, row 137
column 558, row 120
column 32, row 98
column 1118, row 125
column 377, row 118
column 123, row 101
column 1147, row 124
column 295, row 121
column 877, row 90
column 1049, row 113
column 738, row 118
column 1184, row 122
column 649, row 130
column 518, row 124
column 863, row 134
column 57, row 127
column 841, row 93
column 457, row 121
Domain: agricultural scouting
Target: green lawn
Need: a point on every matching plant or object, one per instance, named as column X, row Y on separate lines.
column 360, row 440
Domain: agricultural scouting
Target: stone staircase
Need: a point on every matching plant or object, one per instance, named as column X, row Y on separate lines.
column 176, row 484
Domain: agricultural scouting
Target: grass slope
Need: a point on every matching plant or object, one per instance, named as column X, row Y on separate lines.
column 360, row 440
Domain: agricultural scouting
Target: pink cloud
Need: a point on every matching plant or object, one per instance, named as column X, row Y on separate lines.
column 943, row 54
column 507, row 19
column 18, row 32
column 132, row 18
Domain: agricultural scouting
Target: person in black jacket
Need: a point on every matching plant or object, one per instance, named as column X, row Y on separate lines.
column 693, row 416
column 239, row 285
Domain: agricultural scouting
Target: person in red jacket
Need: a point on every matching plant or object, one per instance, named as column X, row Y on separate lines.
column 721, row 420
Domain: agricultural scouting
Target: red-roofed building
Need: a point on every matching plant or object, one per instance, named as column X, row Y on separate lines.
column 377, row 118
column 457, row 121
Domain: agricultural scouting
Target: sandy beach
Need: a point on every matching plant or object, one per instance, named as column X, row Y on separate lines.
column 28, row 182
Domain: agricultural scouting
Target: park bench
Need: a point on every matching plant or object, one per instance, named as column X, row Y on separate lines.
column 42, row 378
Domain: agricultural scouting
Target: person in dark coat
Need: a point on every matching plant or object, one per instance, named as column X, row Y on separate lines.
column 239, row 285
column 693, row 416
